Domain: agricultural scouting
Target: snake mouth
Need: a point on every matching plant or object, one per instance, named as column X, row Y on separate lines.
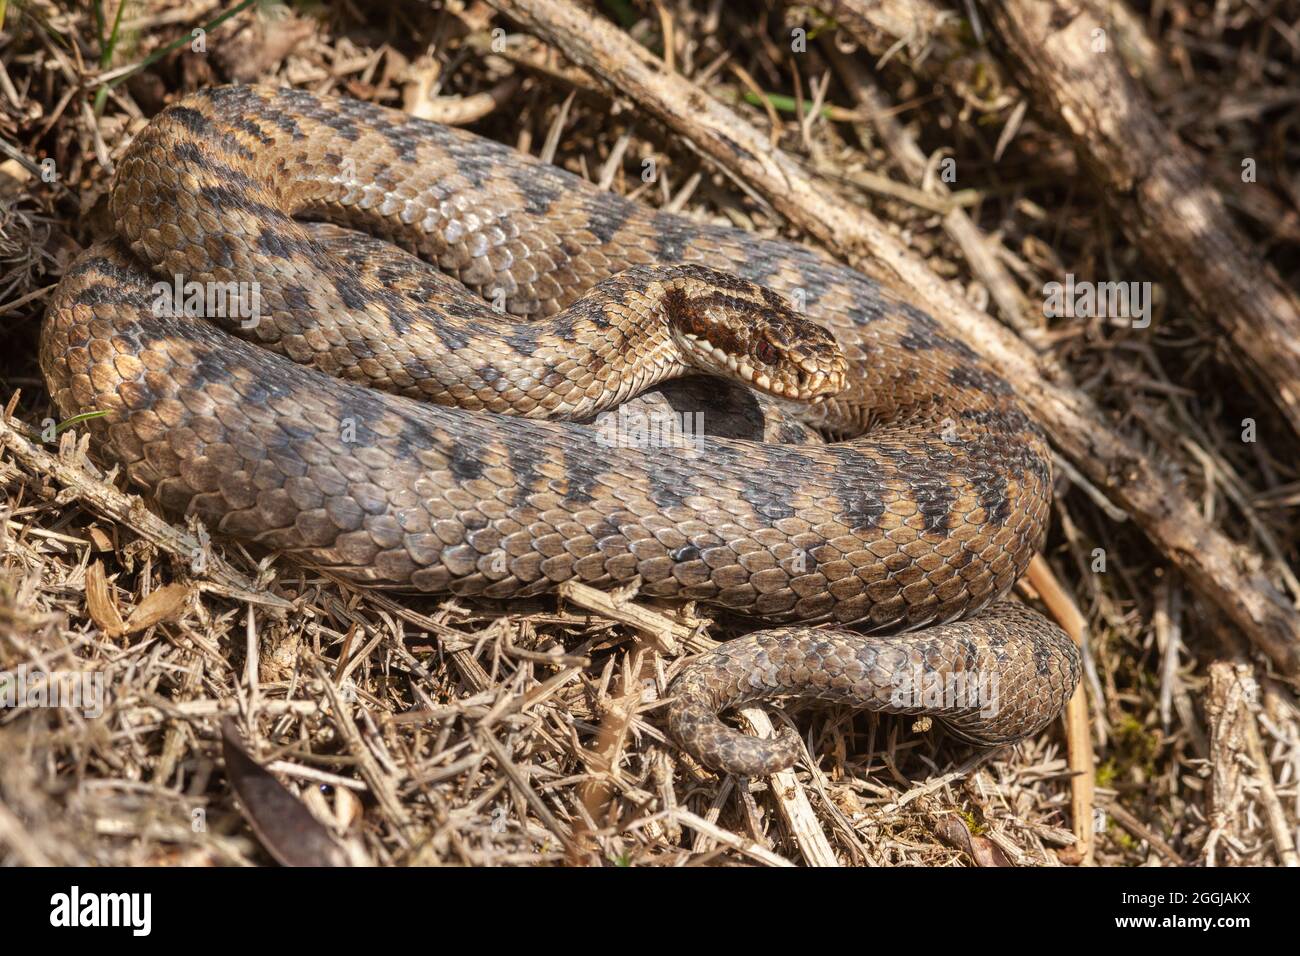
column 805, row 383
column 819, row 383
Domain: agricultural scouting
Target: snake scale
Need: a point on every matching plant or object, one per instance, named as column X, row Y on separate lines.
column 494, row 294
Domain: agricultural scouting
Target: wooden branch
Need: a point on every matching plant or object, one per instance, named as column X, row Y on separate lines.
column 1274, row 810
column 1226, row 573
column 1140, row 830
column 1161, row 189
column 727, row 838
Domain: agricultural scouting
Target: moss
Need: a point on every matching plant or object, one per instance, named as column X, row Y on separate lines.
column 1106, row 773
column 972, row 822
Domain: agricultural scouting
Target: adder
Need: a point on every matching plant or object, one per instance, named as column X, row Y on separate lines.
column 406, row 409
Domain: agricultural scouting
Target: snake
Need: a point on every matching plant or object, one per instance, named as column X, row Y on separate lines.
column 440, row 325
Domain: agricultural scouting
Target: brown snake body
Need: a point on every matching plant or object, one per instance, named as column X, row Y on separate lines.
column 926, row 515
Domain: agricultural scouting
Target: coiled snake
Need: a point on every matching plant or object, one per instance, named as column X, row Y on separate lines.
column 926, row 513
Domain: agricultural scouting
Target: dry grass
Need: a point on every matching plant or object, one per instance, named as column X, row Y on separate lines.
column 429, row 731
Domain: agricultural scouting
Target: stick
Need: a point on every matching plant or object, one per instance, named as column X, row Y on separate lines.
column 792, row 802
column 1078, row 740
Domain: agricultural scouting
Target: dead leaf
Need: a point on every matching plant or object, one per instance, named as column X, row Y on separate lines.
column 951, row 829
column 162, row 605
column 100, row 604
column 281, row 823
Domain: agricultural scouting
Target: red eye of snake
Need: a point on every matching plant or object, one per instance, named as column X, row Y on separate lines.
column 766, row 353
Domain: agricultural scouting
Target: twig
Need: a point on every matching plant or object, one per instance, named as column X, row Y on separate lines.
column 726, row 838
column 1077, row 737
column 665, row 634
column 792, row 802
column 530, row 796
column 1232, row 686
column 375, row 776
column 1143, row 832
column 1278, row 825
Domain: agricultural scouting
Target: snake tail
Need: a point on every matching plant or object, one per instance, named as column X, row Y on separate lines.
column 992, row 679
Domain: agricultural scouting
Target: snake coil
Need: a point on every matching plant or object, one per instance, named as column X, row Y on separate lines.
column 884, row 555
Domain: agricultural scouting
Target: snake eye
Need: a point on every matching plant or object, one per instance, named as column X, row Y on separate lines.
column 766, row 353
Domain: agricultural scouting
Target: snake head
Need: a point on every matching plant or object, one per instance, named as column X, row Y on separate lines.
column 741, row 331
